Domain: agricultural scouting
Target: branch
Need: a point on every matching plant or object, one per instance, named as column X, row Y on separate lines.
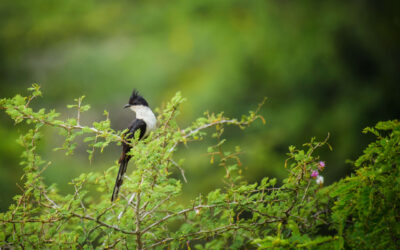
column 72, row 127
column 218, row 230
column 200, row 207
column 97, row 220
column 232, row 121
column 87, row 217
column 155, row 207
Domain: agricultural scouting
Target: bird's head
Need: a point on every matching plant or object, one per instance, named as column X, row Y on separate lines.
column 136, row 100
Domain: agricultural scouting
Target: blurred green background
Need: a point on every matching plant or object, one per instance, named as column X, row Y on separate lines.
column 325, row 66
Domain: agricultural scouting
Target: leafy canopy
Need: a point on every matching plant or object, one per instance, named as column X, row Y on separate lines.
column 299, row 213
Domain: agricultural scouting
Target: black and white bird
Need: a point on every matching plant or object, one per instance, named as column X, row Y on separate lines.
column 145, row 121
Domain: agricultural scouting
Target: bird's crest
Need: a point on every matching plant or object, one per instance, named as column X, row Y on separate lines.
column 134, row 96
column 137, row 99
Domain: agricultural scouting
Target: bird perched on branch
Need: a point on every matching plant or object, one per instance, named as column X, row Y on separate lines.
column 145, row 121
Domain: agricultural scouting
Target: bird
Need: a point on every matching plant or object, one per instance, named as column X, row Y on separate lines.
column 146, row 122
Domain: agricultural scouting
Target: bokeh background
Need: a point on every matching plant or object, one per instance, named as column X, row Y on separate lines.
column 325, row 66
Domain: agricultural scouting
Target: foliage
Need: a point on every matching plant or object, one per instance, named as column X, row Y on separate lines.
column 295, row 214
column 367, row 212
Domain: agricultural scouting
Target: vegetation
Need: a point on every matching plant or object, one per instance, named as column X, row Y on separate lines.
column 361, row 210
column 325, row 66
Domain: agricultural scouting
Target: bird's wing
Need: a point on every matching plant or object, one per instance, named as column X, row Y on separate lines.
column 123, row 161
column 135, row 125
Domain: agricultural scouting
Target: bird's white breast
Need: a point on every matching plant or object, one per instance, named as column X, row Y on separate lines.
column 146, row 114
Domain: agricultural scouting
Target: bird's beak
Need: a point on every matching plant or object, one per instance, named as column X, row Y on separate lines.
column 127, row 106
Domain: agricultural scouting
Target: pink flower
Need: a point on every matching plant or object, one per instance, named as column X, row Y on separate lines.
column 321, row 165
column 314, row 174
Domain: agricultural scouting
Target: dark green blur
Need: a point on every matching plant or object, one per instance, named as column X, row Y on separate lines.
column 325, row 66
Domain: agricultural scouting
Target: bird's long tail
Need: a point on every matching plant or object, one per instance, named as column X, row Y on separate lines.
column 119, row 180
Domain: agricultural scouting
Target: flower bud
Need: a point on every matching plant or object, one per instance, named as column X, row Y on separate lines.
column 321, row 165
column 314, row 174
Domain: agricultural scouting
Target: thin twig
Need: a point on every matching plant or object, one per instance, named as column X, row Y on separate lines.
column 155, row 207
column 127, row 205
column 181, row 169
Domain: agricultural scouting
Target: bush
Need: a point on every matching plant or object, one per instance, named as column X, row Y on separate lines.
column 298, row 213
column 367, row 208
